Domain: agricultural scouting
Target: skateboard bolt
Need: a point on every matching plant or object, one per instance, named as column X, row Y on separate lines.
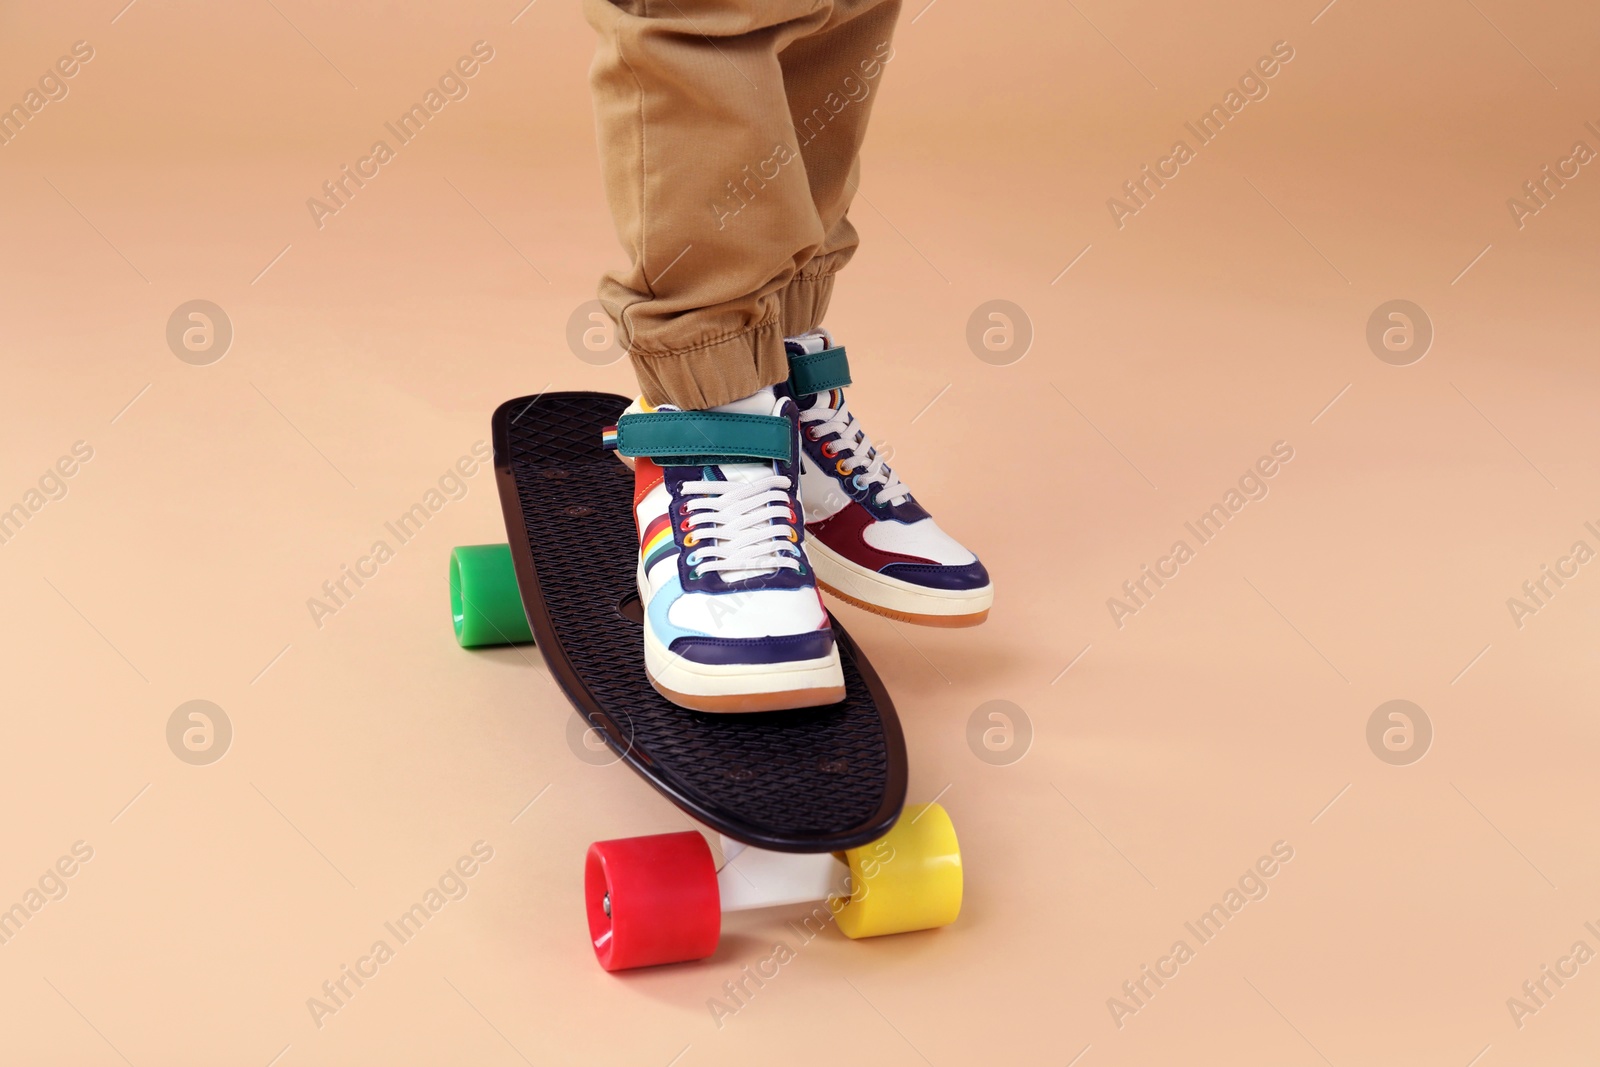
column 605, row 904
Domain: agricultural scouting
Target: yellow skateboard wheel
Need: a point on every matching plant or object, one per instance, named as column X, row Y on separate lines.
column 909, row 879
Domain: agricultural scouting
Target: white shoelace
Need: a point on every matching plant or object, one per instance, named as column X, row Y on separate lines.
column 732, row 528
column 854, row 450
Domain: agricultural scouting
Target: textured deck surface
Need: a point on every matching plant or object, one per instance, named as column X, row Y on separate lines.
column 817, row 779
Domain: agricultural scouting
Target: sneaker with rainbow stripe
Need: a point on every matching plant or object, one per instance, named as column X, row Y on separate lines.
column 732, row 618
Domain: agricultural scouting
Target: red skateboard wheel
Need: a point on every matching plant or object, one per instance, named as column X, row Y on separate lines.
column 652, row 900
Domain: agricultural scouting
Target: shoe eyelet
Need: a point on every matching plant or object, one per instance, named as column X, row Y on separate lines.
column 684, row 525
column 827, row 450
column 690, row 541
column 841, row 468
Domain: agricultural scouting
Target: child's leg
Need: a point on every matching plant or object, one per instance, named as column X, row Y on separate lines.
column 733, row 240
column 832, row 78
column 867, row 537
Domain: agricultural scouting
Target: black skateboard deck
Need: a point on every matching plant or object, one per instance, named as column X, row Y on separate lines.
column 811, row 780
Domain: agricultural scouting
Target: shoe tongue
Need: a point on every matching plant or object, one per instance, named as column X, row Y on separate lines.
column 808, row 344
column 812, row 401
column 762, row 402
column 758, row 403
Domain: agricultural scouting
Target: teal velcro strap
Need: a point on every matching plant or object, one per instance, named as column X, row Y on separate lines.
column 705, row 436
column 817, row 372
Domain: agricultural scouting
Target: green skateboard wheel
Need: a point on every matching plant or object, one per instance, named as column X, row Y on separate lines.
column 485, row 603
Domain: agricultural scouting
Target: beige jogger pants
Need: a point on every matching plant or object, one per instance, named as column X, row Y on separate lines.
column 730, row 135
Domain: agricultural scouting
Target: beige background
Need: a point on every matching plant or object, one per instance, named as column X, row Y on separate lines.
column 1229, row 714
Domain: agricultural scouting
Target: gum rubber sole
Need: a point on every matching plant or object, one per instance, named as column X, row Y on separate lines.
column 893, row 598
column 739, row 703
column 947, row 622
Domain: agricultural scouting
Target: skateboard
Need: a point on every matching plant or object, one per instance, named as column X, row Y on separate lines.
column 809, row 804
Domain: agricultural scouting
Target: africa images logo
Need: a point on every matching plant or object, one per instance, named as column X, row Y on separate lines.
column 1252, row 86
column 852, row 90
column 1252, row 485
column 452, row 85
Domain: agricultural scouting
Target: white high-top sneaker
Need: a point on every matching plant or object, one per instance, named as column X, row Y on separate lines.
column 732, row 619
column 870, row 541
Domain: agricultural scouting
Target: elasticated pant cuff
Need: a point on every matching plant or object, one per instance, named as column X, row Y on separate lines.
column 732, row 367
